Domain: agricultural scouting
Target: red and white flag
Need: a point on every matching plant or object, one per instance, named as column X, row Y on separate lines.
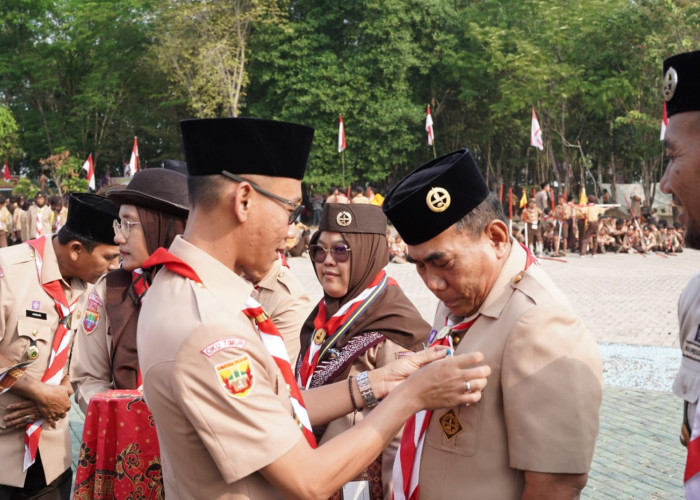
column 341, row 135
column 429, row 127
column 89, row 167
column 6, row 172
column 536, row 133
column 664, row 123
column 134, row 161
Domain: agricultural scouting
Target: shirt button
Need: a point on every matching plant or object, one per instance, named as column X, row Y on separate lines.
column 517, row 278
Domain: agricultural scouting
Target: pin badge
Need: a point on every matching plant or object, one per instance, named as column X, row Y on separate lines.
column 343, row 219
column 32, row 352
column 319, row 336
column 670, row 83
column 451, row 426
column 438, row 199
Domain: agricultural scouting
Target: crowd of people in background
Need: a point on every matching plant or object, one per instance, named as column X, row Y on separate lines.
column 23, row 219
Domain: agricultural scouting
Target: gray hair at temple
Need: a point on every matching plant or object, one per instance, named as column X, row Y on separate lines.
column 475, row 221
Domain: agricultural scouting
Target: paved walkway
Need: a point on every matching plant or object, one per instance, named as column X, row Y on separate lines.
column 629, row 303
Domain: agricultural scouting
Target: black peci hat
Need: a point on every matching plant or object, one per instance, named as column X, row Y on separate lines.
column 434, row 196
column 246, row 146
column 682, row 83
column 176, row 165
column 156, row 188
column 352, row 218
column 92, row 216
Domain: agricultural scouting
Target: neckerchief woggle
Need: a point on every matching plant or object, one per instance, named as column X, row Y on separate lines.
column 332, row 330
column 268, row 332
column 406, row 471
column 60, row 347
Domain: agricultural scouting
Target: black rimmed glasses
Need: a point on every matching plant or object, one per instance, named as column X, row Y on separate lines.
column 123, row 227
column 298, row 207
column 340, row 253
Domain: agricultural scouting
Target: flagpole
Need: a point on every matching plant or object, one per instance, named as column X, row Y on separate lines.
column 342, row 161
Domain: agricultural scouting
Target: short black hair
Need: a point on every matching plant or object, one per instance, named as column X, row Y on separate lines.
column 476, row 220
column 66, row 235
column 205, row 190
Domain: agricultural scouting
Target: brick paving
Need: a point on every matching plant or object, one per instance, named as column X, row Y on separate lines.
column 623, row 299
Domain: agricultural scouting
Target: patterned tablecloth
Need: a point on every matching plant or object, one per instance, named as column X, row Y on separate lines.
column 119, row 455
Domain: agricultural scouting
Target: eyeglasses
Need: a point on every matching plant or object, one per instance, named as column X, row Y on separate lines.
column 340, row 253
column 298, row 207
column 123, row 227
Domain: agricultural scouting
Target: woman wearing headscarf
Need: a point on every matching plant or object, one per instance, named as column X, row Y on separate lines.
column 363, row 322
column 153, row 210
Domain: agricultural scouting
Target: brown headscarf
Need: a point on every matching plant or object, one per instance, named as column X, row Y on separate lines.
column 122, row 302
column 392, row 313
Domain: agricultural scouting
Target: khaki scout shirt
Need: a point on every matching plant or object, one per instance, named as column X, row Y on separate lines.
column 28, row 314
column 46, row 220
column 540, row 409
column 687, row 382
column 191, row 338
column 287, row 304
column 91, row 365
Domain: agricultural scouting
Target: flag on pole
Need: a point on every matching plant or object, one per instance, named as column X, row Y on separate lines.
column 89, row 167
column 429, row 127
column 6, row 172
column 341, row 135
column 134, row 161
column 536, row 132
column 523, row 200
column 664, row 123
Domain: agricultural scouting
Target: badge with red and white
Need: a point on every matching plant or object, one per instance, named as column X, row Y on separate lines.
column 91, row 317
column 236, row 377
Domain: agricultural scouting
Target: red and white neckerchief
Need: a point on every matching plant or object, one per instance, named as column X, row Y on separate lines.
column 59, row 347
column 407, row 462
column 269, row 334
column 406, row 470
column 691, row 478
column 336, row 326
column 39, row 222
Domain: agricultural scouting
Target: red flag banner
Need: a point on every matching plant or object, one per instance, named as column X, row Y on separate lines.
column 341, row 135
column 6, row 172
column 429, row 127
column 89, row 167
column 134, row 161
column 536, row 133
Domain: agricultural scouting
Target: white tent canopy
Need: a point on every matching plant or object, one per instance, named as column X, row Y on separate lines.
column 661, row 200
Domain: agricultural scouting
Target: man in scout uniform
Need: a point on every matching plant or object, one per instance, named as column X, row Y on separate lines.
column 533, row 432
column 681, row 89
column 40, row 283
column 285, row 301
column 5, row 221
column 230, row 418
column 39, row 217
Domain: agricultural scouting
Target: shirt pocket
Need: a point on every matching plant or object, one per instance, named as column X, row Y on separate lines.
column 34, row 335
column 457, row 430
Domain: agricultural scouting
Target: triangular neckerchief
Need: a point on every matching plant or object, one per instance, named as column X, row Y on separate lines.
column 140, row 286
column 327, row 332
column 268, row 332
column 406, row 472
column 59, row 346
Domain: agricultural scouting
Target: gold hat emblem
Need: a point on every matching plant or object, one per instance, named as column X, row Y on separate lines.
column 670, row 83
column 438, row 199
column 343, row 219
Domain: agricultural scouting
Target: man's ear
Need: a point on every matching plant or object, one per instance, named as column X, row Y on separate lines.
column 497, row 232
column 241, row 200
column 75, row 249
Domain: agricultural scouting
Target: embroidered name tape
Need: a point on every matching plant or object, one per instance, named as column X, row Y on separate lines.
column 215, row 347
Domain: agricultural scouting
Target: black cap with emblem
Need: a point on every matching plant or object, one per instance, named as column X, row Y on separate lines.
column 682, row 83
column 92, row 216
column 246, row 146
column 434, row 196
column 348, row 218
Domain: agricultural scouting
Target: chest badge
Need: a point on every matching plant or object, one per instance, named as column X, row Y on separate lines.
column 32, row 352
column 319, row 336
column 451, row 426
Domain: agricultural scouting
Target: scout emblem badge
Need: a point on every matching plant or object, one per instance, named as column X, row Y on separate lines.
column 438, row 199
column 92, row 315
column 236, row 377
